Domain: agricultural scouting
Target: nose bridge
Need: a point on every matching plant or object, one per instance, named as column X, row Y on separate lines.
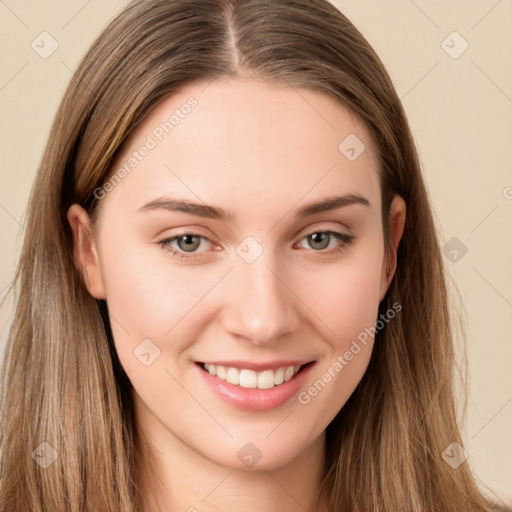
column 261, row 307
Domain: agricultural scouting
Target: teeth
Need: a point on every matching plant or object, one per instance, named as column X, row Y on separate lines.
column 251, row 379
column 279, row 376
column 233, row 376
column 221, row 372
column 248, row 379
column 266, row 379
column 288, row 374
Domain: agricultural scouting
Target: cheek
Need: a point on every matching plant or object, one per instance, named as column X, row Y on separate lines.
column 345, row 296
column 346, row 300
column 151, row 301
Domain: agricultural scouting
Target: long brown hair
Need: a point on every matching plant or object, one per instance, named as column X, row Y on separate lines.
column 66, row 400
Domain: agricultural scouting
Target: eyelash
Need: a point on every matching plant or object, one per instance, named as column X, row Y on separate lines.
column 344, row 239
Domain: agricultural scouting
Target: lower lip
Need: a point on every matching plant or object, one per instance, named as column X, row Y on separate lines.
column 254, row 399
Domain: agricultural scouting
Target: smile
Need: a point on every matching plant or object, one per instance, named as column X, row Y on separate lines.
column 252, row 386
column 251, row 379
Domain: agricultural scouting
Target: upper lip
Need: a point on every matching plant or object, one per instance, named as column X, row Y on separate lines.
column 259, row 367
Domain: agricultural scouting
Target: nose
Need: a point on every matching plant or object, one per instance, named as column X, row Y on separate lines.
column 260, row 304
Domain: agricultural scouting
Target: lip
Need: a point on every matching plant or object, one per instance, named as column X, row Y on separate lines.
column 254, row 399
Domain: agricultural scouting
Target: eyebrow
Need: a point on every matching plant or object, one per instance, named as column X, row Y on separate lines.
column 218, row 213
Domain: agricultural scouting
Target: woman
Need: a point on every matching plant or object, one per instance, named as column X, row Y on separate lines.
column 180, row 340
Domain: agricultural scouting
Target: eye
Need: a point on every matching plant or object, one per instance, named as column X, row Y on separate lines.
column 321, row 239
column 187, row 244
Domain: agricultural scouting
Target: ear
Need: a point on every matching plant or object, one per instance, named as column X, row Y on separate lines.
column 397, row 213
column 85, row 253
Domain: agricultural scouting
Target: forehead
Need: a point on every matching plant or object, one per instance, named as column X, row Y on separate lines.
column 244, row 143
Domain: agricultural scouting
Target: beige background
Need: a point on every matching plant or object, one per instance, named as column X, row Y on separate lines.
column 460, row 110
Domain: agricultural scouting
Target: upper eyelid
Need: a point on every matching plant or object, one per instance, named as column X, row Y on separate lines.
column 306, row 232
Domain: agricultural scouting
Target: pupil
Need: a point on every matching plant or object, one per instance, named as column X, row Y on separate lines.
column 315, row 236
column 187, row 241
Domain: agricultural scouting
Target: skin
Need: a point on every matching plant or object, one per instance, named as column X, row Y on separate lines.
column 261, row 151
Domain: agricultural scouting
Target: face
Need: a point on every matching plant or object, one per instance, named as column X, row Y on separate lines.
column 252, row 278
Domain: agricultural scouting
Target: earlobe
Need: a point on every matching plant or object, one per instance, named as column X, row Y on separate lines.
column 396, row 229
column 85, row 253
